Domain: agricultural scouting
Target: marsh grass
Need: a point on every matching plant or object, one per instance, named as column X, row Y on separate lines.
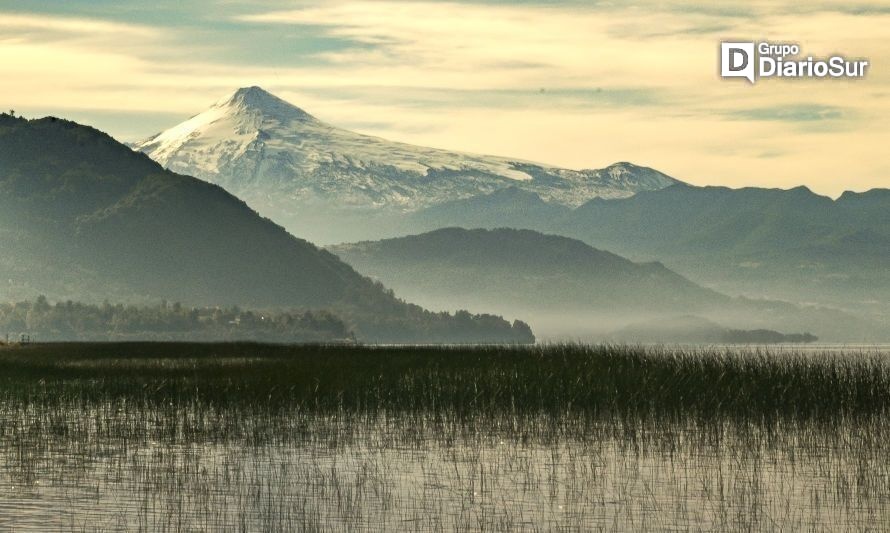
column 183, row 437
column 465, row 380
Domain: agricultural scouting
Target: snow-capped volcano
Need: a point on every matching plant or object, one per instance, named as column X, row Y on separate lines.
column 259, row 146
column 327, row 184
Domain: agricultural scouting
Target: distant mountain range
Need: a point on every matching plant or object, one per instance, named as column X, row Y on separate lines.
column 330, row 184
column 790, row 244
column 567, row 289
column 697, row 330
column 84, row 217
column 786, row 244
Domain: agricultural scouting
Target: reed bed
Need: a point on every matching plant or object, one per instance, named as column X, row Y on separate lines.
column 184, row 437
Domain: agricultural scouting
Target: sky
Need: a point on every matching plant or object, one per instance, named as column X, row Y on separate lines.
column 575, row 84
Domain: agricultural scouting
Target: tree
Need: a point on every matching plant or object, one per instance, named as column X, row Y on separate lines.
column 41, row 305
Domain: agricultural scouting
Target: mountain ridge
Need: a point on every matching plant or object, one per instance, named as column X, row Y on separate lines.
column 786, row 244
column 567, row 288
column 86, row 216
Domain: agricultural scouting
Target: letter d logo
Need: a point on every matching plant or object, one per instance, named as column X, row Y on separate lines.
column 737, row 60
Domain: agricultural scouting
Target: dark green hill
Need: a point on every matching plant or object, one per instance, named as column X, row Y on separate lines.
column 84, row 217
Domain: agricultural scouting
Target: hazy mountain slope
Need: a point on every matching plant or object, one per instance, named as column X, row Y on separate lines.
column 693, row 329
column 711, row 219
column 789, row 244
column 786, row 244
column 294, row 168
column 520, row 268
column 567, row 288
column 506, row 208
column 82, row 216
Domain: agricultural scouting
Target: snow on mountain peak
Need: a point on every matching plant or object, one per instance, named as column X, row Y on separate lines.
column 254, row 99
column 633, row 175
column 268, row 151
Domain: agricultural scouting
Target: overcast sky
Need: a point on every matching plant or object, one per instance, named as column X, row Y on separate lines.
column 578, row 84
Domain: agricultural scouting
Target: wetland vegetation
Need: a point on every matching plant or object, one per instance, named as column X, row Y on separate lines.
column 179, row 437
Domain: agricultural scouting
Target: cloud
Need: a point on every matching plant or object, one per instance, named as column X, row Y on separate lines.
column 497, row 46
column 13, row 23
column 792, row 113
